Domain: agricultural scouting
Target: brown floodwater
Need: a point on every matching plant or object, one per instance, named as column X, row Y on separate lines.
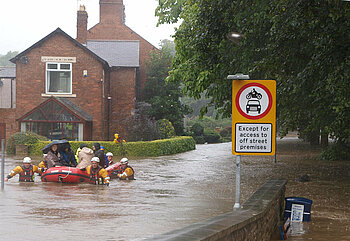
column 172, row 192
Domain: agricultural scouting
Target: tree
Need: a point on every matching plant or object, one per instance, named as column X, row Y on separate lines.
column 4, row 59
column 313, row 37
column 164, row 97
column 169, row 11
column 302, row 44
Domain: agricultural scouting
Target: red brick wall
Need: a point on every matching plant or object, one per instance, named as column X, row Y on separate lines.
column 122, row 101
column 119, row 31
column 88, row 90
column 7, row 117
column 82, row 18
column 111, row 11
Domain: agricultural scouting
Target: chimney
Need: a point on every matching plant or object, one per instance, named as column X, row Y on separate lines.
column 112, row 11
column 82, row 18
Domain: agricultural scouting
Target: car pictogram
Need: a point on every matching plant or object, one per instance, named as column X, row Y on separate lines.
column 253, row 105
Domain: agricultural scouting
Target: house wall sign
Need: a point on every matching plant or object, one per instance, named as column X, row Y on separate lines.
column 58, row 59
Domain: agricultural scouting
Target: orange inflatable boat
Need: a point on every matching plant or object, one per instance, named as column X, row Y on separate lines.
column 65, row 174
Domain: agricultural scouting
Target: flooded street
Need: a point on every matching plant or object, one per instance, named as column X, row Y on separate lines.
column 172, row 192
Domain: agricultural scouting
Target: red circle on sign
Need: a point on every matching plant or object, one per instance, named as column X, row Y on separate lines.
column 257, row 116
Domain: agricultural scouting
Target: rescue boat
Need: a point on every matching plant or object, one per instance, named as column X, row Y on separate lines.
column 65, row 174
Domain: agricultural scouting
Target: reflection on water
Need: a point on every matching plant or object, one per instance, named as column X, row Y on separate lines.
column 172, row 192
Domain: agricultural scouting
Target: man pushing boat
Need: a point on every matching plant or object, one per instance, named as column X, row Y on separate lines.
column 98, row 175
column 26, row 171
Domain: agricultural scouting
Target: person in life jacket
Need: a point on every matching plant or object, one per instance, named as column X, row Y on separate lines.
column 98, row 175
column 106, row 159
column 109, row 160
column 26, row 171
column 43, row 163
column 126, row 172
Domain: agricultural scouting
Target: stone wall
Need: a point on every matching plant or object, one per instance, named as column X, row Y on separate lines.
column 257, row 219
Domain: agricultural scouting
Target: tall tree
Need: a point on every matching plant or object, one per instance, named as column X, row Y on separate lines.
column 5, row 59
column 164, row 97
column 168, row 11
column 302, row 44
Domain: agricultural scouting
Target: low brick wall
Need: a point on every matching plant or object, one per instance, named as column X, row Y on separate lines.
column 257, row 219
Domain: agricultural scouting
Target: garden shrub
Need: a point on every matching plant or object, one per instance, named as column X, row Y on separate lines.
column 199, row 139
column 225, row 139
column 133, row 149
column 211, row 136
column 142, row 127
column 27, row 138
column 165, row 129
column 335, row 152
column 226, row 132
column 197, row 129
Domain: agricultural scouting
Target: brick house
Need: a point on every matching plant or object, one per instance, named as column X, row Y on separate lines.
column 84, row 88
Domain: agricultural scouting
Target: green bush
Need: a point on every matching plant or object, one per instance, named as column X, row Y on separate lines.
column 225, row 139
column 211, row 136
column 208, row 122
column 165, row 128
column 197, row 129
column 27, row 138
column 133, row 149
column 226, row 132
column 336, row 151
column 199, row 139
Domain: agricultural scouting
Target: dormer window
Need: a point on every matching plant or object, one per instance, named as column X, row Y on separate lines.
column 58, row 78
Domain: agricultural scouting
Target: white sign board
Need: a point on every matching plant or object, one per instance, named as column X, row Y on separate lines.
column 253, row 137
column 58, row 59
column 297, row 213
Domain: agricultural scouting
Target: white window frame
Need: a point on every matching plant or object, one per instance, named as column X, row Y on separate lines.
column 61, row 70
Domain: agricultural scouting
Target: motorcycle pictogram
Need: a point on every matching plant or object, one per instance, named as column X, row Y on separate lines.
column 254, row 94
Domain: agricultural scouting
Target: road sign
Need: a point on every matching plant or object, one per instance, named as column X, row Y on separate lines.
column 253, row 117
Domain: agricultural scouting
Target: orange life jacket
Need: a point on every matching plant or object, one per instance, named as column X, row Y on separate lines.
column 130, row 177
column 95, row 177
column 27, row 175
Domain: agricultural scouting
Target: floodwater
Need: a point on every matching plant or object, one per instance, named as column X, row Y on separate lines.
column 172, row 192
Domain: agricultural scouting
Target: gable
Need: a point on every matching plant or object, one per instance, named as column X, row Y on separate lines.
column 22, row 56
column 57, row 109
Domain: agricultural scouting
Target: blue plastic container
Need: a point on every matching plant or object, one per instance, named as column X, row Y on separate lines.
column 298, row 209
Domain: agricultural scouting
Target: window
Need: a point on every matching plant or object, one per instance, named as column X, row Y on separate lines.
column 54, row 122
column 58, row 78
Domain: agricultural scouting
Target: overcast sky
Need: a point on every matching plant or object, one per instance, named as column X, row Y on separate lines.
column 24, row 22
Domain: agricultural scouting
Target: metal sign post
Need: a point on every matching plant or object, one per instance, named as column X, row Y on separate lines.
column 238, row 157
column 238, row 182
column 2, row 164
column 253, row 120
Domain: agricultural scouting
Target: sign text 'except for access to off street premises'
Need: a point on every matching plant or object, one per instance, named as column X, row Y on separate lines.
column 253, row 137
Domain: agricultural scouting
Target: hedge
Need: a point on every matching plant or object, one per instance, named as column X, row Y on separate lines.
column 27, row 138
column 132, row 149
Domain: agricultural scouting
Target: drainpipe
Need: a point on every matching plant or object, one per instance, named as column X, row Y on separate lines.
column 109, row 98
